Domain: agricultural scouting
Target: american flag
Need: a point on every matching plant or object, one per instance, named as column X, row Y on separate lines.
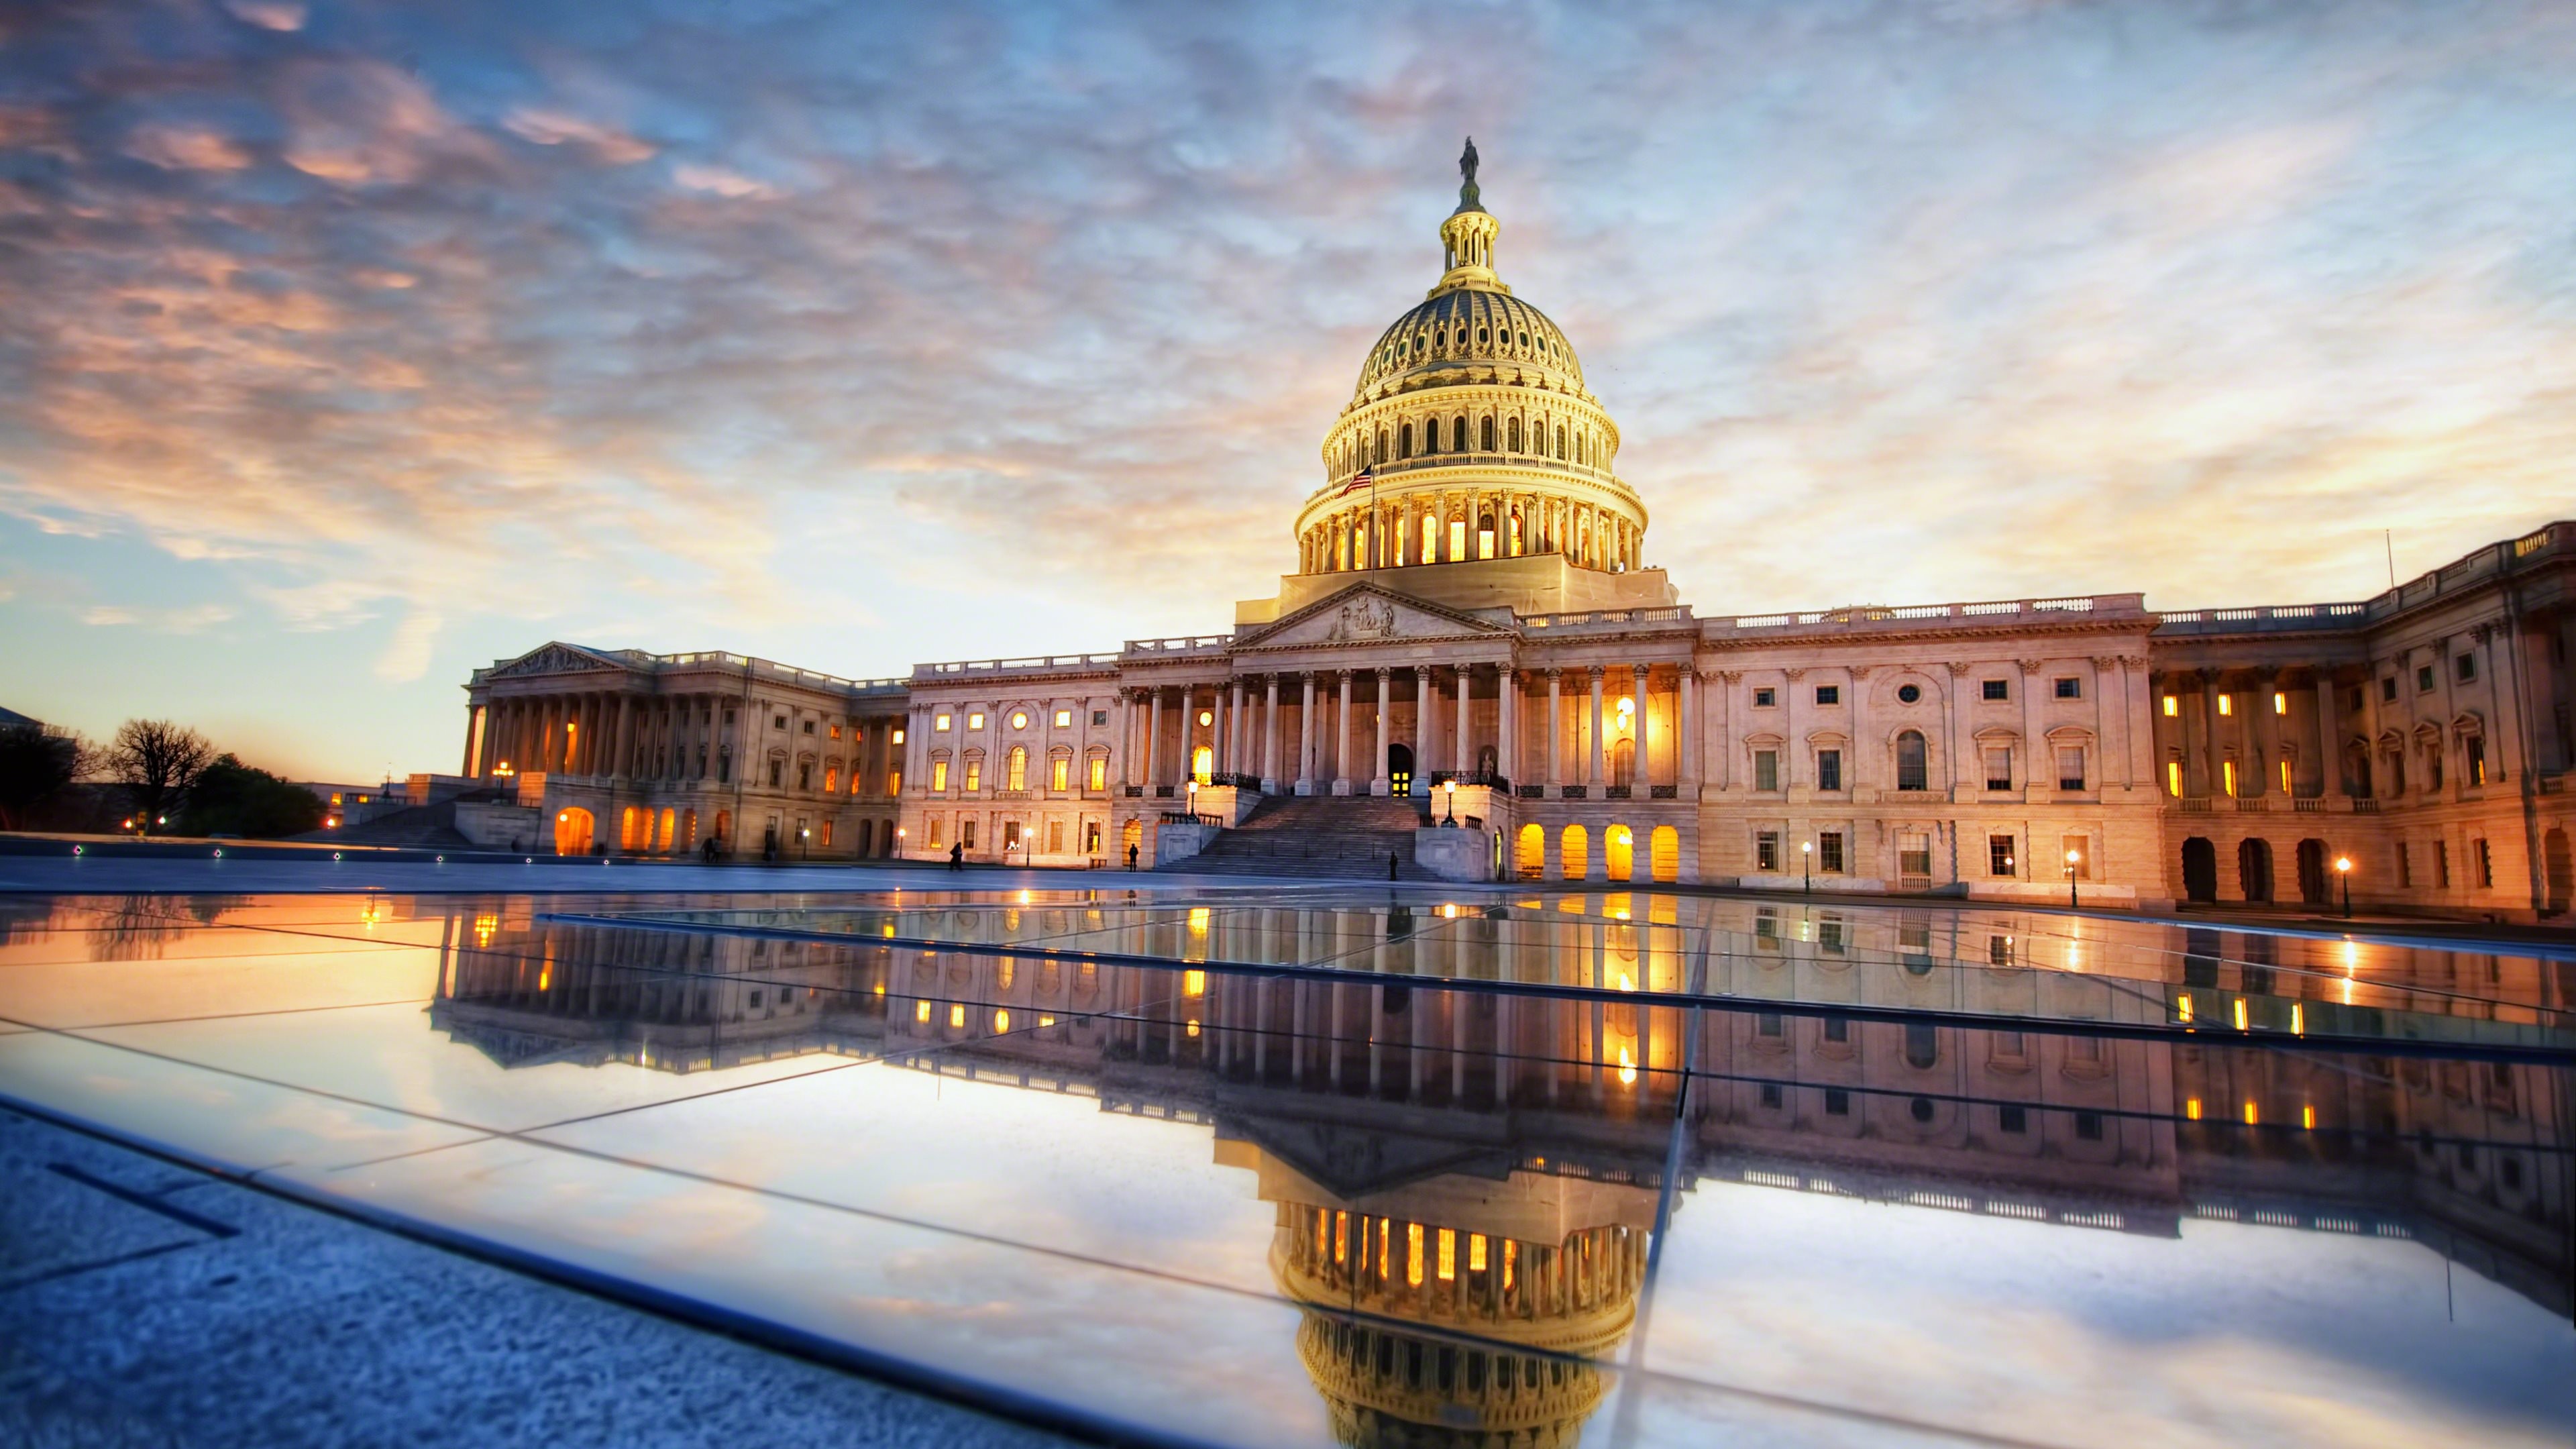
column 1364, row 479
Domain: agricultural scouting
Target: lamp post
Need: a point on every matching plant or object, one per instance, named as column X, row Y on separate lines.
column 2343, row 869
column 1451, row 786
column 1807, row 866
column 2072, row 858
column 899, row 847
column 801, row 834
column 1191, row 798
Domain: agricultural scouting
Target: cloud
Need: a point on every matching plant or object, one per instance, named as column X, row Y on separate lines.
column 554, row 128
column 268, row 14
column 193, row 619
column 174, row 149
column 716, row 180
column 407, row 654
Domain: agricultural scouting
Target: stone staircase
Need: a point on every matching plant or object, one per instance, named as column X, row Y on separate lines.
column 1318, row 836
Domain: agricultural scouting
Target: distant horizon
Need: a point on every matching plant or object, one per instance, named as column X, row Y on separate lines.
column 356, row 347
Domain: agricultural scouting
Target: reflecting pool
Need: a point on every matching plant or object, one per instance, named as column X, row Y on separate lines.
column 1332, row 1167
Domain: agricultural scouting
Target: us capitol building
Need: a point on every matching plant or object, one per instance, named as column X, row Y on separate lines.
column 1473, row 633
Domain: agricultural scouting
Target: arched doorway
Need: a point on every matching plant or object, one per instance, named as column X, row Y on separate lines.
column 1202, row 764
column 1531, row 861
column 1399, row 770
column 572, row 831
column 2254, row 868
column 1664, row 853
column 724, row 830
column 1620, row 852
column 630, row 829
column 1623, row 763
column 1574, row 853
column 2313, row 887
column 2199, row 869
column 689, row 829
column 867, row 838
column 2557, row 873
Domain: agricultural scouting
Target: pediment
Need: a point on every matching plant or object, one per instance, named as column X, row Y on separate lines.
column 1355, row 1163
column 556, row 658
column 1366, row 614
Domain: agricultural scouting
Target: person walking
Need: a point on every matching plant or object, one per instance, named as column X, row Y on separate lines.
column 1131, row 857
column 957, row 856
column 1390, row 865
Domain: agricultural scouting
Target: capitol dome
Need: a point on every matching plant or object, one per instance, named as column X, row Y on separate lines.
column 1470, row 435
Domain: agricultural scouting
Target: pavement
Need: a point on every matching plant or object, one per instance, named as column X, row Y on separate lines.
column 145, row 1303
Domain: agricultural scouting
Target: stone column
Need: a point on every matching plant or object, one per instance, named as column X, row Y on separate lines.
column 1686, row 752
column 1422, row 730
column 2329, row 753
column 2033, row 739
column 2213, row 777
column 1306, row 737
column 1644, row 773
column 1219, row 760
column 1378, row 781
column 2144, row 768
column 1962, row 745
column 706, row 705
column 1153, row 740
column 2262, row 731
column 1555, row 726
column 1342, row 740
column 1593, row 780
column 1270, row 740
column 1466, row 760
column 1507, row 722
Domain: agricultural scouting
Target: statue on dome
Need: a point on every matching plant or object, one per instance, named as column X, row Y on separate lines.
column 1469, row 198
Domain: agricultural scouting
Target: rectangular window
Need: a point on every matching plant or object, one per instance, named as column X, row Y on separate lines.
column 1829, row 769
column 2173, row 707
column 2070, row 687
column 2076, row 850
column 1764, row 698
column 1100, row 716
column 1099, row 776
column 2173, row 778
column 1999, row 769
column 1837, row 1102
column 1766, row 769
column 2388, row 688
column 809, row 727
column 836, row 732
column 2070, row 767
column 1838, row 1029
column 974, row 719
column 939, row 721
column 1091, row 837
column 2475, row 747
column 1060, row 773
column 827, row 832
column 2405, row 866
column 966, row 832
column 2280, row 702
column 1999, row 950
column 939, row 775
column 1771, row 1095
column 1997, row 689
column 2227, row 771
column 1766, row 929
column 1766, row 1023
column 831, row 779
column 894, row 783
column 974, row 775
column 1829, row 694
column 2285, row 778
column 1999, row 855
column 1766, row 852
column 2088, row 1125
column 2423, row 679
column 2483, row 863
column 935, row 824
column 1914, row 857
column 1829, row 857
column 1064, row 719
column 2467, row 668
column 2441, row 865
column 2013, row 1119
column 778, row 722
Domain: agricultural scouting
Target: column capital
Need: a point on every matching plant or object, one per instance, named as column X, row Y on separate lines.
column 2029, row 666
column 1860, row 671
column 1596, row 671
column 1385, row 670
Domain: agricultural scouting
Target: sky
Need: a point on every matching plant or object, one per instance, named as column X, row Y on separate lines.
column 346, row 347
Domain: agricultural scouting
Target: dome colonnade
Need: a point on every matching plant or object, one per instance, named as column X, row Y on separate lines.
column 1470, row 435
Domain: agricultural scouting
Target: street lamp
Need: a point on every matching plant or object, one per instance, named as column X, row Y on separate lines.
column 1807, row 864
column 2343, row 869
column 1452, row 787
column 2072, row 857
column 801, row 834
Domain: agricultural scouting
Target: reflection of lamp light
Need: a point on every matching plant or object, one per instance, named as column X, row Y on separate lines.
column 1627, row 1068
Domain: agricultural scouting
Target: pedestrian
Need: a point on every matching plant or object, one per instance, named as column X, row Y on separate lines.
column 1390, row 865
column 1131, row 857
column 957, row 856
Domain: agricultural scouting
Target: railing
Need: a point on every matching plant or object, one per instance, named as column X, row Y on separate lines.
column 1237, row 782
column 1616, row 792
column 1134, row 792
column 2493, row 562
column 1571, row 792
column 1663, row 792
column 1186, row 817
column 1195, row 644
column 1162, row 792
column 1662, row 614
column 1026, row 664
column 1487, row 778
column 717, row 659
column 1533, row 792
column 1383, row 471
column 1901, row 616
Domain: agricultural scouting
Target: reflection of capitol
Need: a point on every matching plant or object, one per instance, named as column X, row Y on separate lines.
column 1466, row 1181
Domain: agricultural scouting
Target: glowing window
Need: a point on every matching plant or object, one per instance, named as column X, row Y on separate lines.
column 2173, row 778
column 1060, row 773
column 921, row 1012
column 1019, row 719
column 1099, row 772
column 1413, row 1255
column 1206, row 718
column 2285, row 777
column 974, row 774
column 1475, row 1252
column 896, row 737
column 1447, row 1263
column 2280, row 702
column 1063, row 718
column 2229, row 772
column 939, row 722
column 939, row 774
column 2226, row 704
column 2173, row 707
column 975, row 719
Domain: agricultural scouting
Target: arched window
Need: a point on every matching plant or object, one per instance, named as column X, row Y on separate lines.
column 1430, row 539
column 1404, row 441
column 1378, row 454
column 1560, row 443
column 1487, row 432
column 1458, row 435
column 1512, row 434
column 1911, row 772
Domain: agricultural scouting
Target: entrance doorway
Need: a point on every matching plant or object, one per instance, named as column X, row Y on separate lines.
column 2199, row 869
column 572, row 832
column 1399, row 770
column 2312, row 872
column 2254, row 869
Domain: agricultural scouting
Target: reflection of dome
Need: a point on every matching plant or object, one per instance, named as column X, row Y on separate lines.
column 1387, row 1389
column 1471, row 420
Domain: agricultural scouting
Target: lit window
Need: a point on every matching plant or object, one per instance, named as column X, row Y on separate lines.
column 1063, row 718
column 2173, row 707
column 1413, row 1255
column 939, row 774
column 335, row 797
column 1060, row 775
column 2285, row 777
column 1448, row 1260
column 921, row 1012
column 1099, row 772
column 939, row 722
column 975, row 719
column 836, row 732
column 2173, row 778
column 1206, row 718
column 2191, row 1108
column 897, row 737
column 974, row 774
column 957, row 1015
column 1019, row 719
column 1476, row 1241
column 2226, row 705
column 2228, row 772
column 1766, row 852
column 1999, row 855
column 2280, row 702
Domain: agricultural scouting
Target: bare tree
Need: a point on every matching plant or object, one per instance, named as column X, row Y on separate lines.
column 158, row 763
column 37, row 765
